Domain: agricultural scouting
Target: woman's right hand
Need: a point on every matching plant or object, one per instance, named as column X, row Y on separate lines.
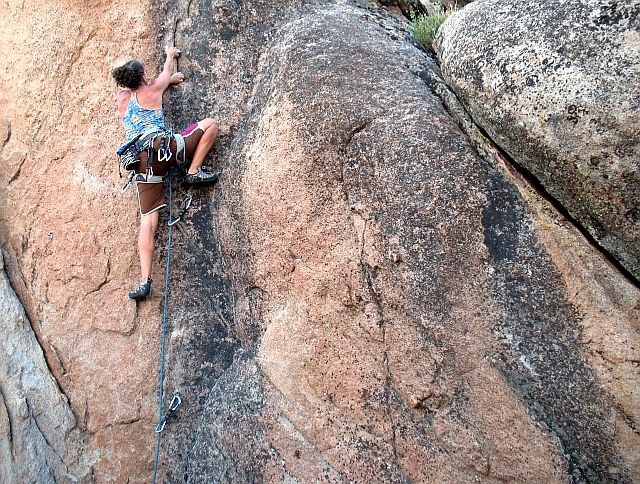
column 172, row 51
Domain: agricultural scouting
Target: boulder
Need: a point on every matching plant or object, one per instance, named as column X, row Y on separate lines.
column 555, row 85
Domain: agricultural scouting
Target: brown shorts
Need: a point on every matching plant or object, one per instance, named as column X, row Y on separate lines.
column 150, row 196
column 151, row 193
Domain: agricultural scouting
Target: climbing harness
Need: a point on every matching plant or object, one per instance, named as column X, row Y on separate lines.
column 129, row 153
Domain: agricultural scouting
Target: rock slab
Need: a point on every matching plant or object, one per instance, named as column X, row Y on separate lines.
column 38, row 435
column 362, row 297
column 65, row 228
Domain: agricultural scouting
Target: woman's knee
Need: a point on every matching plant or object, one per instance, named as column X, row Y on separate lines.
column 149, row 223
column 209, row 123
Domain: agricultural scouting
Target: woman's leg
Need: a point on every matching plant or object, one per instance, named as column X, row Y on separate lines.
column 197, row 147
column 148, row 227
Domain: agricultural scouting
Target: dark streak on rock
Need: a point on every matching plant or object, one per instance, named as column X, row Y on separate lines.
column 540, row 189
column 601, row 103
column 541, row 355
column 438, row 86
column 56, row 352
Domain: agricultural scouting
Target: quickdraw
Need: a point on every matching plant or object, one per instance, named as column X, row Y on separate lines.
column 184, row 206
column 163, row 153
column 176, row 401
column 129, row 181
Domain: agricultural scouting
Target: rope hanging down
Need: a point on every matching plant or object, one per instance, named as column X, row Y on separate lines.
column 176, row 400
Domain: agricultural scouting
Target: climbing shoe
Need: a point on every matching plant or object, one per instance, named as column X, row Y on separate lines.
column 201, row 177
column 142, row 291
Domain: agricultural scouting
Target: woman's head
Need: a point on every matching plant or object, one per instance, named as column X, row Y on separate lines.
column 129, row 75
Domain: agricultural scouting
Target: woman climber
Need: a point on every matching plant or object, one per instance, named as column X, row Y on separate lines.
column 140, row 105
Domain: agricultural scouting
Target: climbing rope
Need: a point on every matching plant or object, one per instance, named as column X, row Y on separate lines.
column 176, row 400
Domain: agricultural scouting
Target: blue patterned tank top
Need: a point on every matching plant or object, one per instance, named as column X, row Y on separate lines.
column 137, row 119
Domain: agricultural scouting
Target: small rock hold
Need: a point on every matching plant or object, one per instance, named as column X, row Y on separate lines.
column 360, row 209
column 23, row 408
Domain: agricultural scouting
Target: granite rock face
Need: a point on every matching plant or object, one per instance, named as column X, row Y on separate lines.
column 373, row 300
column 67, row 233
column 556, row 86
column 360, row 298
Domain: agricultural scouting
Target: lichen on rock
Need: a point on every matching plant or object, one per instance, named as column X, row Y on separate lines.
column 556, row 86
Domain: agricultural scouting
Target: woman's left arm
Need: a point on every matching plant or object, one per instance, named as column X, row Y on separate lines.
column 168, row 75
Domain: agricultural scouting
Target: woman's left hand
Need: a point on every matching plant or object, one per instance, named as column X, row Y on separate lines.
column 172, row 51
column 177, row 78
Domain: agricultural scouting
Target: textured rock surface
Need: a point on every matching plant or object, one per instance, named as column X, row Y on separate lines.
column 356, row 325
column 39, row 438
column 360, row 298
column 556, row 86
column 67, row 232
